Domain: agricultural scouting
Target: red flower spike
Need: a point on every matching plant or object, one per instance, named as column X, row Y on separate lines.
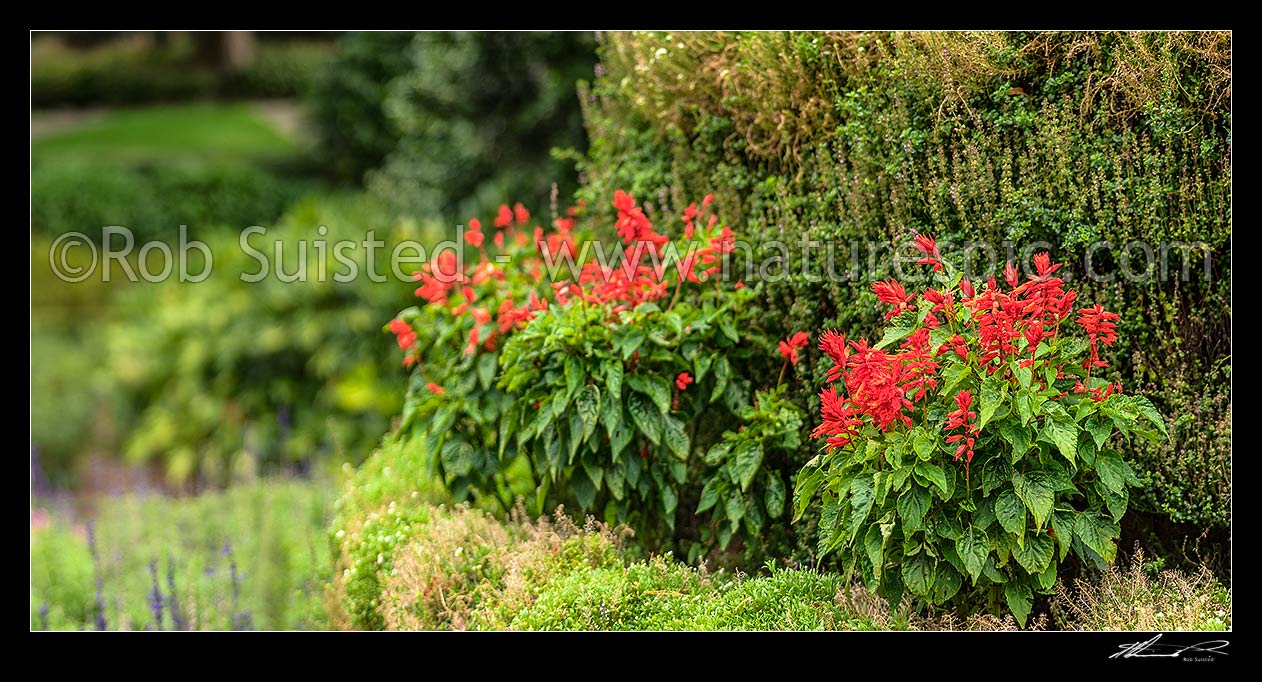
column 682, row 381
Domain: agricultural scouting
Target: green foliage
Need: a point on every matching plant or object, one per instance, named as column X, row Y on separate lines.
column 135, row 70
column 353, row 133
column 271, row 530
column 231, row 375
column 152, row 170
column 437, row 122
column 154, row 199
column 1068, row 138
column 903, row 517
column 479, row 114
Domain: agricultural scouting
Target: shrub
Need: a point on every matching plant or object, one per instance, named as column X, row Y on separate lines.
column 1143, row 596
column 247, row 558
column 982, row 374
column 645, row 348
column 231, row 375
column 134, row 70
column 153, row 199
column 1068, row 138
column 435, row 121
column 353, row 132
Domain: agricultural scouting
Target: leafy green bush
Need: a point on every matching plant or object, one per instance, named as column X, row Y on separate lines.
column 231, row 375
column 153, row 199
column 134, row 70
column 644, row 347
column 248, row 558
column 353, row 133
column 1068, row 138
column 899, row 413
column 440, row 116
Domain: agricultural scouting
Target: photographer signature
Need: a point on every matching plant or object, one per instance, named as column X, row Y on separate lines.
column 1152, row 649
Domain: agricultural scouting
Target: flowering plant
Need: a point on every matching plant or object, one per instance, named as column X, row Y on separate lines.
column 966, row 452
column 452, row 344
column 643, row 364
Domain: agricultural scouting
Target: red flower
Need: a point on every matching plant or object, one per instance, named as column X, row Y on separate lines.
column 435, row 388
column 474, row 234
column 1010, row 274
column 966, row 288
column 1101, row 326
column 789, row 347
column 709, row 199
column 1044, row 266
column 505, row 217
column 962, row 418
column 682, row 381
column 926, row 245
column 405, row 336
column 474, row 339
column 520, row 214
column 891, row 293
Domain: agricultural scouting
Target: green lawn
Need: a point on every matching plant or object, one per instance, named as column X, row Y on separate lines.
column 200, row 130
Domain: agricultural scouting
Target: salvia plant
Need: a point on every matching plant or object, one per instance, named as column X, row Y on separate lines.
column 625, row 391
column 967, row 452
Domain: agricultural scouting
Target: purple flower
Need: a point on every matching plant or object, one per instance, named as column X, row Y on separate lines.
column 155, row 597
column 96, row 571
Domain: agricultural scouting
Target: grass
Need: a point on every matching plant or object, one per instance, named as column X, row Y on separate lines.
column 206, row 130
column 251, row 557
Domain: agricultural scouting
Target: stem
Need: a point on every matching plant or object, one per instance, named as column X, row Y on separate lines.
column 679, row 285
column 783, row 367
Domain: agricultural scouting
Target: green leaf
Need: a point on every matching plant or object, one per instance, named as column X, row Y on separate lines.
column 918, row 573
column 1011, row 512
column 874, row 545
column 718, row 452
column 669, row 501
column 1114, row 472
column 584, row 489
column 923, row 442
column 808, row 481
column 722, row 372
column 994, row 397
column 946, row 584
column 701, row 366
column 487, row 367
column 1025, row 405
column 620, row 438
column 972, row 547
column 588, row 406
column 1063, row 527
column 1097, row 533
column 912, row 506
column 1061, row 429
column 1035, row 553
column 675, row 436
column 654, row 387
column 747, row 457
column 1101, row 428
column 613, row 379
column 627, row 339
column 1149, row 412
column 1018, row 596
column 457, row 457
column 709, row 494
column 1037, row 493
column 995, row 473
column 932, row 473
column 899, row 328
column 1018, row 436
column 773, row 497
column 953, row 376
column 574, row 376
column 735, row 506
column 728, row 329
column 611, row 412
column 646, row 416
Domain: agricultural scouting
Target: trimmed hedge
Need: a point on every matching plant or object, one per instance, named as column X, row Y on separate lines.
column 859, row 138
